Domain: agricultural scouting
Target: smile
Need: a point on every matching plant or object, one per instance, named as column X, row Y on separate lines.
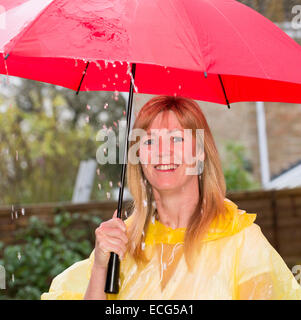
column 166, row 167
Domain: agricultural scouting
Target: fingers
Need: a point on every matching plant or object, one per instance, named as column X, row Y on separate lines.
column 113, row 245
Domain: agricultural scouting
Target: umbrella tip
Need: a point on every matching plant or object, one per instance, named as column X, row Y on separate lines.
column 229, row 106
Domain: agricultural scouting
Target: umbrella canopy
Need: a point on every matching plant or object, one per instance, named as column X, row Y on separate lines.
column 212, row 50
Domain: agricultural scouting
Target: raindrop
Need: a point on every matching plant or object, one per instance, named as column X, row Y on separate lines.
column 125, row 81
column 108, row 195
column 13, row 278
column 143, row 233
column 23, row 211
column 125, row 214
column 144, row 203
column 109, row 79
column 106, row 105
column 106, row 63
column 19, row 256
column 113, row 64
column 99, row 186
column 142, row 245
column 114, row 83
column 116, row 75
column 98, row 65
column 104, row 86
column 121, row 63
column 111, row 184
column 16, row 214
column 180, row 87
column 153, row 219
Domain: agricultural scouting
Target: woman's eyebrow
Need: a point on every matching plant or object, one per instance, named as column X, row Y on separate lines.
column 169, row 131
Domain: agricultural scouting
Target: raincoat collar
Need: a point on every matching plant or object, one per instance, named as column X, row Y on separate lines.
column 234, row 221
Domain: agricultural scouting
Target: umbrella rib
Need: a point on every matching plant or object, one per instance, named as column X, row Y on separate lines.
column 81, row 81
column 224, row 90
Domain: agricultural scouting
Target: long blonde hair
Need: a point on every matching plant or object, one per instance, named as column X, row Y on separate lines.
column 212, row 187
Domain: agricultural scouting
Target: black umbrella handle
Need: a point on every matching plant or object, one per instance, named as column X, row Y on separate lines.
column 112, row 281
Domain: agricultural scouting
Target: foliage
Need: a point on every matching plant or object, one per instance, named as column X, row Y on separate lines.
column 45, row 252
column 44, row 134
column 237, row 169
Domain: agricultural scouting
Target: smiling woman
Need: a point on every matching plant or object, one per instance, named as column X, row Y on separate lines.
column 184, row 238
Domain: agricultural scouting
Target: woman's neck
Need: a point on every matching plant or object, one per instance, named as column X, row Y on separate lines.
column 177, row 206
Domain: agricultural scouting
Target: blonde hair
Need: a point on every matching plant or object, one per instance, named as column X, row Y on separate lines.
column 212, row 187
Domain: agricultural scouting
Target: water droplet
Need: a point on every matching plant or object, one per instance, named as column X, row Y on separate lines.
column 23, row 211
column 108, row 195
column 142, row 245
column 16, row 214
column 116, row 75
column 104, row 86
column 153, row 219
column 164, row 266
column 19, row 256
column 143, row 233
column 180, row 87
column 125, row 81
column 111, row 184
column 13, row 278
column 126, row 214
column 144, row 203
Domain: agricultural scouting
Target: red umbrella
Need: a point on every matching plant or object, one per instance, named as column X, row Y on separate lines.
column 175, row 45
column 212, row 50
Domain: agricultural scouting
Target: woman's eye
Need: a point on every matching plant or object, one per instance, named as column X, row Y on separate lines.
column 148, row 141
column 178, row 139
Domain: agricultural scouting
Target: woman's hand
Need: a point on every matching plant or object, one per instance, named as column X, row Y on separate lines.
column 110, row 236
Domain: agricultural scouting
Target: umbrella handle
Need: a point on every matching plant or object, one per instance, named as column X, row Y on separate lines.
column 112, row 281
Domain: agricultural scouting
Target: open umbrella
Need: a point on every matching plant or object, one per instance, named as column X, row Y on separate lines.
column 212, row 50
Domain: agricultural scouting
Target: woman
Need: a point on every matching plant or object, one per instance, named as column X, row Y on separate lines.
column 184, row 239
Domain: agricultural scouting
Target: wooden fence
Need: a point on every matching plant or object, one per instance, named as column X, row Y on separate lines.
column 278, row 215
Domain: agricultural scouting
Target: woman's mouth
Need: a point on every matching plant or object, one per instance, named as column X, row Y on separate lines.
column 166, row 167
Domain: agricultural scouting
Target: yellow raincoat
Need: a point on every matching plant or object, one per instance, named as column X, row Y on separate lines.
column 236, row 262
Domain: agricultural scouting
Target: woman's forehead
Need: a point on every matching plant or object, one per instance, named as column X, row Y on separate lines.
column 165, row 120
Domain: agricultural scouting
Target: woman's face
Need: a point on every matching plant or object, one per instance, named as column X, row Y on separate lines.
column 162, row 154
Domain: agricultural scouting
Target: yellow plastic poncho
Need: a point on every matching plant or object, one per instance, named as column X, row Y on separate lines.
column 236, row 262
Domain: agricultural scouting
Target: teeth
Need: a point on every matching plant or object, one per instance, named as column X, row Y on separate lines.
column 166, row 167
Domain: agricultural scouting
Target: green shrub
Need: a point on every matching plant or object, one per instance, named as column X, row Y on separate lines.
column 44, row 252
